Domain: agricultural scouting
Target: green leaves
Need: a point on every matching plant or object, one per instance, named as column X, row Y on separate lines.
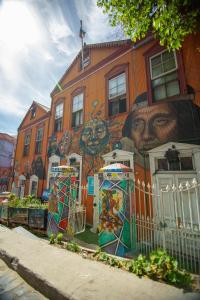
column 170, row 21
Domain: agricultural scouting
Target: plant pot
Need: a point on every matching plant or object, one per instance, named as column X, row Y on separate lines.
column 18, row 215
column 37, row 218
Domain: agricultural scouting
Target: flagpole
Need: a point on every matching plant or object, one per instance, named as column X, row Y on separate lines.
column 81, row 36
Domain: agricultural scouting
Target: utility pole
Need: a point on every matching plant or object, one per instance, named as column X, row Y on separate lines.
column 82, row 35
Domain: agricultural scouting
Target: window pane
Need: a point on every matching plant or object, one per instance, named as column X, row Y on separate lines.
column 117, row 86
column 156, row 60
column 173, row 88
column 167, row 56
column 77, row 102
column 157, row 70
column 186, row 163
column 159, row 93
column 171, row 76
column 169, row 65
column 158, row 81
column 59, row 111
column 162, row 164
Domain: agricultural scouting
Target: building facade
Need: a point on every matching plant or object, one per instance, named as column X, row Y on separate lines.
column 31, row 152
column 117, row 105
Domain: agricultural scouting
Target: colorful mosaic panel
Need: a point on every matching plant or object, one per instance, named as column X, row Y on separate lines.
column 114, row 217
column 61, row 202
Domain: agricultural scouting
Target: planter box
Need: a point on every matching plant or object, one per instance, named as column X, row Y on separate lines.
column 18, row 215
column 37, row 218
column 4, row 213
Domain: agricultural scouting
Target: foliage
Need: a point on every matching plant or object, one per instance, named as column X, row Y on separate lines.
column 160, row 266
column 72, row 246
column 28, row 202
column 170, row 21
column 52, row 239
column 59, row 238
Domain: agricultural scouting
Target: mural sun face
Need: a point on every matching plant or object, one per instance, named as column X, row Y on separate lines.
column 94, row 137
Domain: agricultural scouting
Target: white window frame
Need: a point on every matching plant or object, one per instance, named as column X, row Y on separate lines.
column 112, row 79
column 33, row 178
column 76, row 97
column 80, row 161
column 165, row 73
column 27, row 144
column 59, row 116
column 39, row 139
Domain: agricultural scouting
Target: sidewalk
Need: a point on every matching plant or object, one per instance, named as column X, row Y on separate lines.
column 12, row 286
column 60, row 274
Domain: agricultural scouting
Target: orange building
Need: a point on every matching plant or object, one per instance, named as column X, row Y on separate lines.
column 31, row 152
column 117, row 105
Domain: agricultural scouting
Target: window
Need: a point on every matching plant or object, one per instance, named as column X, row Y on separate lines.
column 184, row 164
column 164, row 75
column 26, row 144
column 33, row 112
column 58, row 117
column 38, row 145
column 86, row 58
column 117, row 95
column 77, row 110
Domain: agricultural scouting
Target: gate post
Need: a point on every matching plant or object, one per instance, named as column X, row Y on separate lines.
column 95, row 204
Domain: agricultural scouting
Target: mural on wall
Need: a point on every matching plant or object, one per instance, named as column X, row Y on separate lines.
column 37, row 168
column 52, row 146
column 96, row 138
column 149, row 126
column 64, row 144
column 114, row 217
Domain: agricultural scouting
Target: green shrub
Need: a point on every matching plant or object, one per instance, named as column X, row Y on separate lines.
column 160, row 266
column 59, row 238
column 72, row 246
column 52, row 239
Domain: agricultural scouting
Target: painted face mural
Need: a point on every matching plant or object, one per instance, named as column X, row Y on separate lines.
column 94, row 136
column 65, row 144
column 150, row 126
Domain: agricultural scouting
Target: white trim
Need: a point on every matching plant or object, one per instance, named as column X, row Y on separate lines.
column 120, row 155
column 53, row 159
column 80, row 161
column 33, row 178
column 165, row 73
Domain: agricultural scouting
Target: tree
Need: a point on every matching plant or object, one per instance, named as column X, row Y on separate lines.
column 169, row 20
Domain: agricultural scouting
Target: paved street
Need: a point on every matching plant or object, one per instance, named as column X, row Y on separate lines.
column 13, row 287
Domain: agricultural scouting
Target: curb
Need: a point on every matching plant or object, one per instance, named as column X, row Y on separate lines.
column 33, row 279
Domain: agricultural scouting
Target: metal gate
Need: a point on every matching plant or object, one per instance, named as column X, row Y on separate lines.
column 168, row 217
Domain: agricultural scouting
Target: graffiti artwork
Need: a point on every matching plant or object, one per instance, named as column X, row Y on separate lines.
column 52, row 146
column 114, row 217
column 149, row 126
column 64, row 145
column 94, row 137
column 37, row 168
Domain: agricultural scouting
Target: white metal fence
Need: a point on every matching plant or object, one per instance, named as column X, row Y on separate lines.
column 168, row 218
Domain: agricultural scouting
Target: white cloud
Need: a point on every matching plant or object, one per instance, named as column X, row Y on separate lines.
column 12, row 106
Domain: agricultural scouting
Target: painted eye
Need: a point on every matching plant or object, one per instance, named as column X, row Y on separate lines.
column 161, row 122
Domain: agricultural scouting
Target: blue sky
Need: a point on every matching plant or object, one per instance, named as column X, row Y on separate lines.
column 38, row 41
